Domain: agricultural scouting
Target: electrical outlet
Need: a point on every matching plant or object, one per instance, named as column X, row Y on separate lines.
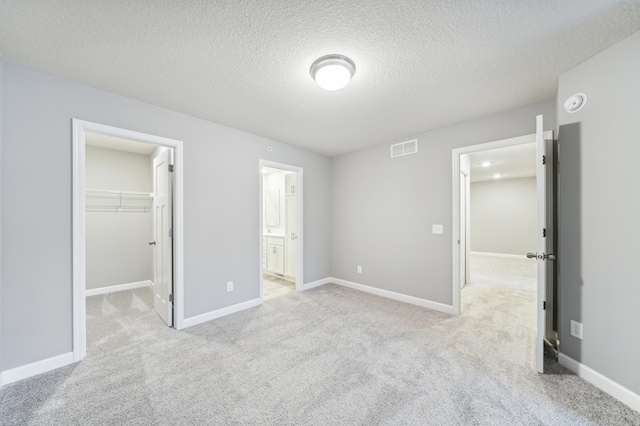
column 359, row 269
column 576, row 329
column 230, row 286
column 437, row 229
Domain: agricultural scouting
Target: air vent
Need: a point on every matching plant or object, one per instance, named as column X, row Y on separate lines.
column 404, row 148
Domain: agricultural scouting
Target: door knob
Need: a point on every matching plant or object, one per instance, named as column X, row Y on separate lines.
column 152, row 243
column 529, row 255
column 550, row 256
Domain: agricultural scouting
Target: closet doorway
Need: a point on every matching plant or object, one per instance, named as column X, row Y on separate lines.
column 280, row 228
column 146, row 182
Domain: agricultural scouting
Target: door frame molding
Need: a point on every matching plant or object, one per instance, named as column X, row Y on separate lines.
column 299, row 198
column 79, row 130
column 455, row 234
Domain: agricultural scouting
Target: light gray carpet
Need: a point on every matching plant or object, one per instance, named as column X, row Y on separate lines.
column 330, row 355
column 503, row 271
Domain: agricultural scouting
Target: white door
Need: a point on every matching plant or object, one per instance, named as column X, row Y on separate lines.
column 544, row 180
column 163, row 245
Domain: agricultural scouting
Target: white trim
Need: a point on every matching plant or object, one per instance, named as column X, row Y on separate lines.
column 318, row 283
column 602, row 382
column 455, row 200
column 503, row 255
column 119, row 287
column 80, row 128
column 436, row 306
column 299, row 198
column 199, row 319
column 35, row 368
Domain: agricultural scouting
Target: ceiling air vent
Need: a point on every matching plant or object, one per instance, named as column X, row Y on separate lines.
column 404, row 148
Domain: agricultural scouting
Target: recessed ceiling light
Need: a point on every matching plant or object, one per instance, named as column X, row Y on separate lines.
column 497, row 176
column 486, row 164
column 333, row 72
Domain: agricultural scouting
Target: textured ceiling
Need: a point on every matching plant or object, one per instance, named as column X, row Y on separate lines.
column 421, row 64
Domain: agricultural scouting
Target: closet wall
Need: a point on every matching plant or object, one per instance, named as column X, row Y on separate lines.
column 117, row 246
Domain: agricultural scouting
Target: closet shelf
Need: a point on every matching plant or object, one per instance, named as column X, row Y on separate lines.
column 117, row 201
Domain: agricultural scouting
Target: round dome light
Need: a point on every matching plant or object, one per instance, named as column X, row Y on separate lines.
column 333, row 72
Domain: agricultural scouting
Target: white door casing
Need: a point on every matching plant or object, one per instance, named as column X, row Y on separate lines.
column 299, row 197
column 78, row 314
column 457, row 154
column 162, row 234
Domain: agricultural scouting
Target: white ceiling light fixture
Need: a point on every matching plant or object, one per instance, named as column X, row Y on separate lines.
column 333, row 72
column 486, row 164
column 497, row 176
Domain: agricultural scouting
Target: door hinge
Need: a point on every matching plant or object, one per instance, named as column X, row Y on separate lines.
column 544, row 159
column 544, row 232
column 170, row 232
column 170, row 168
column 171, row 298
column 544, row 305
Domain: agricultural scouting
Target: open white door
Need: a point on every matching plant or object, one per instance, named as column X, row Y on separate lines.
column 544, row 181
column 162, row 233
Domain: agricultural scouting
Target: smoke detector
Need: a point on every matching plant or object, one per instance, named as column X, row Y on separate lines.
column 575, row 103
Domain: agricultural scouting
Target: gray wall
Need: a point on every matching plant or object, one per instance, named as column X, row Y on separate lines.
column 598, row 213
column 503, row 216
column 221, row 222
column 382, row 209
column 117, row 249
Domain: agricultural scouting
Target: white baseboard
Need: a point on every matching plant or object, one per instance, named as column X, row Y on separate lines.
column 119, row 287
column 602, row 382
column 436, row 306
column 36, row 368
column 314, row 284
column 504, row 255
column 199, row 319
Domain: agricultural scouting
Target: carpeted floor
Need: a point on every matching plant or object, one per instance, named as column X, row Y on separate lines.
column 518, row 273
column 330, row 355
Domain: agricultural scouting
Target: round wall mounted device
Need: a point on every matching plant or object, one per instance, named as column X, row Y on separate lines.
column 575, row 103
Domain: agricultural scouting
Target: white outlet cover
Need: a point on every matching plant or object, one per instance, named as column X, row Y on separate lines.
column 576, row 329
column 437, row 229
column 359, row 269
column 230, row 286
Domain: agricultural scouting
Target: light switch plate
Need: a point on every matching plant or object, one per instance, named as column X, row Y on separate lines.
column 437, row 229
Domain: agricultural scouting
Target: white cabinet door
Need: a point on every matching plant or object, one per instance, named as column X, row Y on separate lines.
column 275, row 258
column 290, row 183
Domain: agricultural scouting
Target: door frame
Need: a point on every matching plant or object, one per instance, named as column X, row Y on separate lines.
column 79, row 316
column 455, row 234
column 299, row 199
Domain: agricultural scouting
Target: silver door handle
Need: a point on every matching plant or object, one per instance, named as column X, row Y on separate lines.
column 152, row 243
column 541, row 256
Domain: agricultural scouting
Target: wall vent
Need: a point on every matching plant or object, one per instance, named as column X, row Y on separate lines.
column 404, row 148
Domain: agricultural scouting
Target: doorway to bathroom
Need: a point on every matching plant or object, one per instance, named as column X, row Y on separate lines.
column 280, row 229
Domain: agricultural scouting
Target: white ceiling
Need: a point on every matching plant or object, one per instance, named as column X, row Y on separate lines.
column 510, row 163
column 420, row 64
column 111, row 142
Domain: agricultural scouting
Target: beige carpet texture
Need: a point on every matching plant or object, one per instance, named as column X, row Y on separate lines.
column 327, row 356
